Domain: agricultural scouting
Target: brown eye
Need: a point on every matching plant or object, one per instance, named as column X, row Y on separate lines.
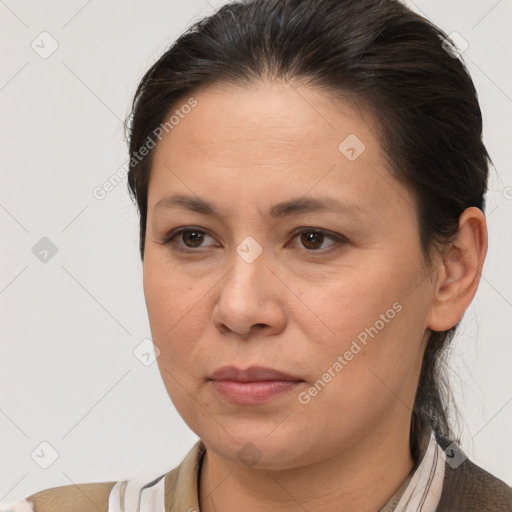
column 311, row 239
column 186, row 239
column 192, row 238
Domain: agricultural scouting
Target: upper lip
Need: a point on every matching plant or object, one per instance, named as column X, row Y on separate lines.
column 251, row 374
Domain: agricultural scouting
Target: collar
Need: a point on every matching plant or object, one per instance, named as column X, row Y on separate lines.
column 425, row 480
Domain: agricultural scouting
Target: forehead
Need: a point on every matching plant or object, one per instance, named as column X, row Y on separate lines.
column 269, row 113
column 272, row 140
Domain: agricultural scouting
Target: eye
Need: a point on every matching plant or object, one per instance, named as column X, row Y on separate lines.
column 312, row 239
column 190, row 236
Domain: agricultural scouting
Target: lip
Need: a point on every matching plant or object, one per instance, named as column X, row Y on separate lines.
column 251, row 374
column 254, row 385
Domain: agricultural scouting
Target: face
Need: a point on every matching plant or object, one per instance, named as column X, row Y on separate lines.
column 335, row 295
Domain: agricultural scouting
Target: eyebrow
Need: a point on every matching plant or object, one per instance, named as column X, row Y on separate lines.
column 286, row 208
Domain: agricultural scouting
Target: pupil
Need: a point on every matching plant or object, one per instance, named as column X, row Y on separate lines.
column 194, row 235
column 312, row 237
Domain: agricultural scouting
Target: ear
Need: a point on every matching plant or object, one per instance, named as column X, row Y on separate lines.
column 459, row 272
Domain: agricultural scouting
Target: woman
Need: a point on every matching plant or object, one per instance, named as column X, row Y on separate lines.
column 310, row 177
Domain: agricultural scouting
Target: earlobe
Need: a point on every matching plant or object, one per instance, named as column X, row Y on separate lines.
column 460, row 271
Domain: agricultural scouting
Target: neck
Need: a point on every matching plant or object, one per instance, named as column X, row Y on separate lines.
column 361, row 478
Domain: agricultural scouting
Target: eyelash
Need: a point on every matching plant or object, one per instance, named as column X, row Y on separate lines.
column 169, row 239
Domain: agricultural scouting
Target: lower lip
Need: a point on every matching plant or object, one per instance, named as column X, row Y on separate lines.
column 247, row 393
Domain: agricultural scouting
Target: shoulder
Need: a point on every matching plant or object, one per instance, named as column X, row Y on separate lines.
column 91, row 497
column 470, row 488
column 174, row 490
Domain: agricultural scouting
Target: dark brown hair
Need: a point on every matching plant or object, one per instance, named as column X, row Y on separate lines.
column 381, row 57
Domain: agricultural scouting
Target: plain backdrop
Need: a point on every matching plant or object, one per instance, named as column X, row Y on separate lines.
column 75, row 393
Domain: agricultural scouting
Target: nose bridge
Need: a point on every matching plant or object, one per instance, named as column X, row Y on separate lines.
column 249, row 294
column 249, row 250
column 245, row 292
column 248, row 265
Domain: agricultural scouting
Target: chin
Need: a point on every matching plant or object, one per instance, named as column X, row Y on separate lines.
column 256, row 449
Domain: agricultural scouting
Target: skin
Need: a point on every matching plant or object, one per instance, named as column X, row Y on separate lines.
column 298, row 305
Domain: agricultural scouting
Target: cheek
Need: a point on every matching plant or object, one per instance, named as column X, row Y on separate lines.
column 367, row 318
column 179, row 311
column 343, row 307
column 168, row 293
column 171, row 304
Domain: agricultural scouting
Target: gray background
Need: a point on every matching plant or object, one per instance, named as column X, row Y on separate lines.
column 70, row 325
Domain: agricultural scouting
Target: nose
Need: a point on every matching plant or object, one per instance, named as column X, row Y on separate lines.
column 250, row 298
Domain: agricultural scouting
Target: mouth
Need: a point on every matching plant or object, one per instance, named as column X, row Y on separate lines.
column 254, row 385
